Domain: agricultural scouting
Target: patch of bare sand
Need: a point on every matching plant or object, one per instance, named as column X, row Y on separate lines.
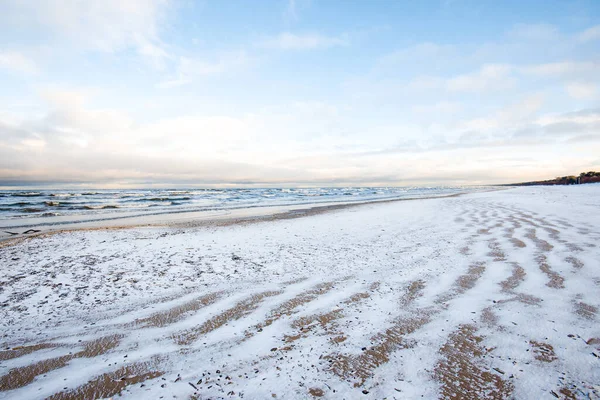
column 541, row 244
column 113, row 383
column 20, row 351
column 461, row 372
column 585, row 310
column 573, row 247
column 496, row 251
column 488, row 317
column 413, row 292
column 305, row 325
column 514, row 280
column 360, row 367
column 290, row 306
column 463, row 282
column 523, row 298
column 164, row 318
column 19, row 377
column 240, row 310
column 517, row 243
column 514, row 222
column 543, row 351
column 294, row 281
column 556, row 280
column 510, row 232
column 575, row 262
column 326, row 321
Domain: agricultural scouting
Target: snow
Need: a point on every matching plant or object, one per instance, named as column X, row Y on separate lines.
column 386, row 289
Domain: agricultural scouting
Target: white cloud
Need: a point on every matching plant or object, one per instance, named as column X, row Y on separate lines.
column 426, row 83
column 563, row 68
column 293, row 9
column 173, row 83
column 522, row 110
column 581, row 91
column 314, row 140
column 590, row 34
column 188, row 69
column 442, row 107
column 107, row 25
column 534, row 32
column 17, row 62
column 503, row 122
column 291, row 14
column 498, row 77
column 79, row 143
column 581, row 117
column 156, row 54
column 487, row 78
column 290, row 41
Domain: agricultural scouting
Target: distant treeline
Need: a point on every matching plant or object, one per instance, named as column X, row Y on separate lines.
column 584, row 177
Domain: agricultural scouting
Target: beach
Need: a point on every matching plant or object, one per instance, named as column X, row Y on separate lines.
column 482, row 295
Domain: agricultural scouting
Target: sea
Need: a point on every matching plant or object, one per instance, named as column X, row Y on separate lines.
column 111, row 204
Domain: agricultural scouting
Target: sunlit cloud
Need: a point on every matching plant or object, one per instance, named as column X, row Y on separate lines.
column 17, row 62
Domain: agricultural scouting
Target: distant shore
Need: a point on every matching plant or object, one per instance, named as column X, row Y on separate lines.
column 584, row 177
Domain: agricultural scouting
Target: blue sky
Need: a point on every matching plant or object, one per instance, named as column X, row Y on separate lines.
column 297, row 92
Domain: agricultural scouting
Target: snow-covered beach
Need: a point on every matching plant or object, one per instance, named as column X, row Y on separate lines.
column 484, row 295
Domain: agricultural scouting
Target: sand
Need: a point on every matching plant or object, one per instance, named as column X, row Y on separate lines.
column 486, row 295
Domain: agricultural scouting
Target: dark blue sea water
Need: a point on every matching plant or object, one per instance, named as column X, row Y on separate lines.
column 50, row 203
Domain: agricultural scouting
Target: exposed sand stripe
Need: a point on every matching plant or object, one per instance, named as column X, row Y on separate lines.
column 518, row 243
column 543, row 351
column 461, row 372
column 164, row 318
column 515, row 279
column 496, row 251
column 111, row 384
column 541, row 244
column 290, row 306
column 556, row 280
column 413, row 292
column 241, row 309
column 360, row 367
column 19, row 377
column 24, row 350
column 326, row 321
column 585, row 310
column 463, row 282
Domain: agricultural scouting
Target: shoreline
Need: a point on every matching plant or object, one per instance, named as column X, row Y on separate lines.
column 194, row 219
column 44, row 207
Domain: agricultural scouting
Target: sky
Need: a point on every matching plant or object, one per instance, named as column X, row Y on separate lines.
column 183, row 93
